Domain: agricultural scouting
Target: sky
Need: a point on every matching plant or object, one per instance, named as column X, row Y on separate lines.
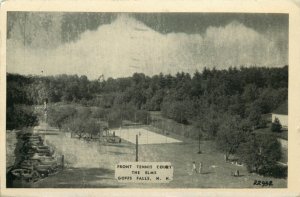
column 120, row 44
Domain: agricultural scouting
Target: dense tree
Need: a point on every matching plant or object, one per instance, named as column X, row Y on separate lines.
column 154, row 102
column 18, row 112
column 225, row 105
column 231, row 135
column 57, row 116
column 253, row 115
column 76, row 126
column 199, row 99
column 83, row 112
column 19, row 116
column 100, row 113
column 92, row 128
column 250, row 93
column 260, row 153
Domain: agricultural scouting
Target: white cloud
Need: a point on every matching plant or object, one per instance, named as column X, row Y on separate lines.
column 127, row 46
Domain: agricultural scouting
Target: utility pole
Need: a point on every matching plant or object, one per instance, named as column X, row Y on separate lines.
column 182, row 126
column 199, row 152
column 121, row 117
column 136, row 148
column 147, row 129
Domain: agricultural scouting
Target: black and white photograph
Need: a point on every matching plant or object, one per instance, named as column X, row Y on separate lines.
column 147, row 100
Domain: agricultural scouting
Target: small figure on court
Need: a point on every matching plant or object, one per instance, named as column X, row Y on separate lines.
column 194, row 167
column 200, row 167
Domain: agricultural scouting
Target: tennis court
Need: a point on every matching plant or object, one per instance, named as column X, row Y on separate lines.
column 145, row 136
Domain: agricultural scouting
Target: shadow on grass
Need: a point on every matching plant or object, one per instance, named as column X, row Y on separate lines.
column 186, row 143
column 117, row 153
column 206, row 172
column 241, row 175
column 117, row 145
column 74, row 178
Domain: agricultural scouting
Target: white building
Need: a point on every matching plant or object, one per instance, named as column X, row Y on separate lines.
column 283, row 119
column 282, row 114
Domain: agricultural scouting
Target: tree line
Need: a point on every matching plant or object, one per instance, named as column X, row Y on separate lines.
column 226, row 105
column 247, row 92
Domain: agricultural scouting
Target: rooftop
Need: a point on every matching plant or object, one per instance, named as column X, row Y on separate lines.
column 282, row 109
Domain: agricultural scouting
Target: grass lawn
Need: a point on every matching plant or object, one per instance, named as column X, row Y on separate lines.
column 91, row 165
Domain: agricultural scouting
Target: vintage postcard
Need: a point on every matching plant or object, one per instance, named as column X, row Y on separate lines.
column 128, row 96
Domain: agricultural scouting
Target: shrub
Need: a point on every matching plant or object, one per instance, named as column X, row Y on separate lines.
column 276, row 125
column 260, row 153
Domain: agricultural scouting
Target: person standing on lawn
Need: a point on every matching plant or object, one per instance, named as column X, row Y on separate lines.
column 200, row 167
column 194, row 167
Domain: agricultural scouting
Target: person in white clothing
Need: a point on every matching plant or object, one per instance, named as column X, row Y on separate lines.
column 194, row 167
column 200, row 167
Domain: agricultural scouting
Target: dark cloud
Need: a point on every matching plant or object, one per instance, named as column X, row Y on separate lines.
column 73, row 24
column 119, row 44
column 193, row 23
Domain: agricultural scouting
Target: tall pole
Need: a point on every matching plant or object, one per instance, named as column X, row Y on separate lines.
column 182, row 126
column 148, row 128
column 121, row 117
column 199, row 143
column 199, row 152
column 136, row 148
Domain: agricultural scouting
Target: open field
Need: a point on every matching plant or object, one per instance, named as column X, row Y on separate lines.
column 91, row 165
